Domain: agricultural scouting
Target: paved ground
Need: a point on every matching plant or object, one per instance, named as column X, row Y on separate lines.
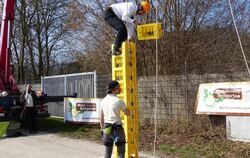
column 43, row 145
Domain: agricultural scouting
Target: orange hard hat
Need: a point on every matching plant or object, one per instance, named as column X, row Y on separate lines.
column 146, row 6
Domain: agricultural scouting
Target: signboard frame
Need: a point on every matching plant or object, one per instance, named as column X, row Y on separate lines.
column 226, row 98
column 81, row 110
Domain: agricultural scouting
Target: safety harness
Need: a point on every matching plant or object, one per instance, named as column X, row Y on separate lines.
column 113, row 134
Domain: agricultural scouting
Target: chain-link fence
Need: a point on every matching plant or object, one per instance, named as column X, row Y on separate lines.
column 176, row 95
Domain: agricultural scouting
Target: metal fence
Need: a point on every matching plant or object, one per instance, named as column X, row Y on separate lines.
column 176, row 95
column 84, row 84
column 176, row 98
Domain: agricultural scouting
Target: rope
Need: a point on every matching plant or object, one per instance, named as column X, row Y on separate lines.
column 236, row 29
column 156, row 82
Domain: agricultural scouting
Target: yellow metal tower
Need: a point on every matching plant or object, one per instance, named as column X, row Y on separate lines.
column 124, row 71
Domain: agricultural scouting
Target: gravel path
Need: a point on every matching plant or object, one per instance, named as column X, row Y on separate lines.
column 44, row 145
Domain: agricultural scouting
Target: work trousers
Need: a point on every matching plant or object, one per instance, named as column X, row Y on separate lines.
column 118, row 24
column 116, row 136
column 31, row 115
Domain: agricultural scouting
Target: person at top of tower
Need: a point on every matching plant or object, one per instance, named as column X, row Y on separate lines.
column 116, row 15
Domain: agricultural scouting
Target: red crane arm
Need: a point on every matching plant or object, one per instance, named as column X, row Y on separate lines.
column 7, row 81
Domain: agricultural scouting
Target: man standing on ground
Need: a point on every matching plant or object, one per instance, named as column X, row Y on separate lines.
column 28, row 98
column 110, row 120
column 118, row 14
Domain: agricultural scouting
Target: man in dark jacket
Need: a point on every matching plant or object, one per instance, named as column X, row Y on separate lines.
column 28, row 98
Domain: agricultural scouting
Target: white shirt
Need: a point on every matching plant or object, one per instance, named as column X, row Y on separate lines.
column 111, row 106
column 125, row 11
column 29, row 100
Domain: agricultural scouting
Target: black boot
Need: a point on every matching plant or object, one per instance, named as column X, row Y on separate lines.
column 115, row 51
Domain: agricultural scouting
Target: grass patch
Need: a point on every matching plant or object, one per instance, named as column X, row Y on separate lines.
column 3, row 127
column 193, row 142
column 189, row 151
column 208, row 150
column 57, row 125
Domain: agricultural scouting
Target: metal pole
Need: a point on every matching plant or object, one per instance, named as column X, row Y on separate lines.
column 65, row 84
column 42, row 84
column 95, row 85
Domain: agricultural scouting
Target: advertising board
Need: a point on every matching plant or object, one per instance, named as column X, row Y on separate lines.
column 228, row 98
column 81, row 110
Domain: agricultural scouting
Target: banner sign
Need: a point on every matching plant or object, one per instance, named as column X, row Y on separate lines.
column 228, row 98
column 79, row 110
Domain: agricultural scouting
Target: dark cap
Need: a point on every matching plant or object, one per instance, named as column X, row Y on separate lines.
column 112, row 85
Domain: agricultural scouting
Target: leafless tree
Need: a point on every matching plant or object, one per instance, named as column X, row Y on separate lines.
column 199, row 36
column 199, row 33
column 38, row 36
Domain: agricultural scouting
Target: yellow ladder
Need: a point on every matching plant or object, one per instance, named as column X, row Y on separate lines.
column 124, row 71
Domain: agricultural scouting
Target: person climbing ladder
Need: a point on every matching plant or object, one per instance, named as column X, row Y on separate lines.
column 116, row 15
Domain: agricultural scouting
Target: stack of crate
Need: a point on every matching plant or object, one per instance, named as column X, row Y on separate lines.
column 124, row 71
column 149, row 31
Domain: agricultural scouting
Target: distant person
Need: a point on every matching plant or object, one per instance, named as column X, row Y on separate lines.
column 110, row 120
column 28, row 98
column 116, row 15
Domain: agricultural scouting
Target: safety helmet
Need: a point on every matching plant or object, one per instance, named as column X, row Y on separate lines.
column 146, row 6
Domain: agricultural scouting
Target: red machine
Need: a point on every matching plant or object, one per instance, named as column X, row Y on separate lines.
column 7, row 81
column 8, row 84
